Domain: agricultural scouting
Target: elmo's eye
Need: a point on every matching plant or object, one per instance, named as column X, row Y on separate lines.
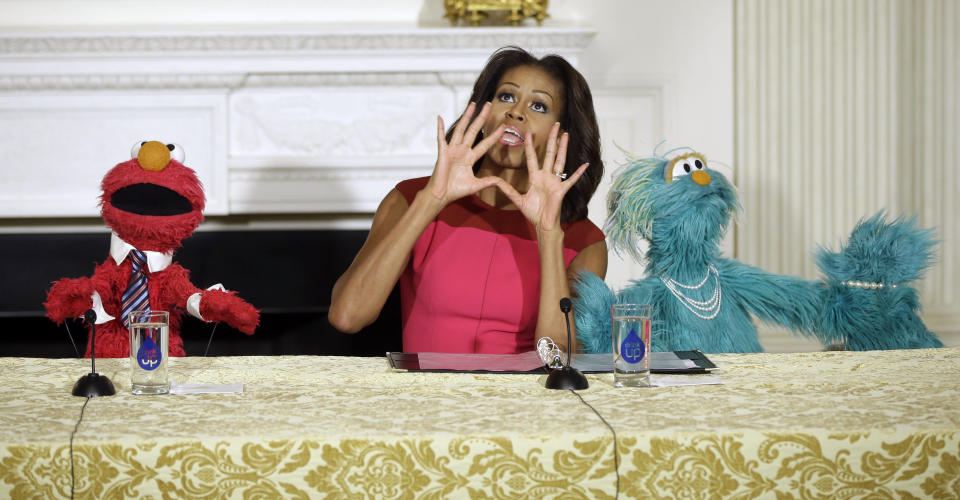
column 176, row 152
column 135, row 150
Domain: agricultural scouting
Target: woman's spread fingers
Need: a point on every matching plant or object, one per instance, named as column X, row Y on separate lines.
column 485, row 182
column 441, row 141
column 458, row 130
column 576, row 175
column 508, row 190
column 488, row 142
column 477, row 123
column 561, row 161
column 551, row 153
column 532, row 165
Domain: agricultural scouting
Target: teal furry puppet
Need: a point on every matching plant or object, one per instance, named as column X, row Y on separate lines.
column 704, row 301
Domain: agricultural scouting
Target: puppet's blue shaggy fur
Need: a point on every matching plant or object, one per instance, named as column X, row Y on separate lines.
column 704, row 301
column 878, row 252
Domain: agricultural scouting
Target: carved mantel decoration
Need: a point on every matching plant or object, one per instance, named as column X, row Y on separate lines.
column 476, row 11
column 274, row 121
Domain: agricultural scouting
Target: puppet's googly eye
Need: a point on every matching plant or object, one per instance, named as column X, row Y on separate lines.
column 680, row 169
column 135, row 150
column 684, row 165
column 176, row 152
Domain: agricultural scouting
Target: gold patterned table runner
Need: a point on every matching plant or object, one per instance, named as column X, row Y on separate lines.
column 825, row 425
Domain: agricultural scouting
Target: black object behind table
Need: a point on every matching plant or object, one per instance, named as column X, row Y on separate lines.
column 288, row 275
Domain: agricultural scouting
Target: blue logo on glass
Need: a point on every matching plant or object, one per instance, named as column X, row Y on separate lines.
column 632, row 349
column 149, row 356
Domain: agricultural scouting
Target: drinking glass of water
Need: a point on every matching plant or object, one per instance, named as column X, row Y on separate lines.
column 149, row 342
column 631, row 345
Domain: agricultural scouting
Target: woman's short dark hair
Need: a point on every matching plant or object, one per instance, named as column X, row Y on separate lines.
column 577, row 119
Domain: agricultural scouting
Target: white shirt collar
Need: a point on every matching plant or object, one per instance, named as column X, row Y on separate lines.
column 156, row 261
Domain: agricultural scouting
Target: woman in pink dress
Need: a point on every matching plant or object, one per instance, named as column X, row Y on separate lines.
column 485, row 248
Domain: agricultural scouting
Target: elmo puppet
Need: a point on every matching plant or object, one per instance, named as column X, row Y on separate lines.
column 151, row 203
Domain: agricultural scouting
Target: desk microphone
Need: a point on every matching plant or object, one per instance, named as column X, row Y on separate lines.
column 567, row 377
column 93, row 384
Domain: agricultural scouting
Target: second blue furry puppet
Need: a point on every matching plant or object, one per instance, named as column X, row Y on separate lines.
column 704, row 301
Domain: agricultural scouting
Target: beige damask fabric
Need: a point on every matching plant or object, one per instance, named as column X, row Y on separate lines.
column 813, row 425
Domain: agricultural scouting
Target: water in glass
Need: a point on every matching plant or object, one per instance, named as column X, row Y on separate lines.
column 149, row 342
column 631, row 345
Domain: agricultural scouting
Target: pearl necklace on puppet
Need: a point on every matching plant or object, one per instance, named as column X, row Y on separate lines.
column 710, row 307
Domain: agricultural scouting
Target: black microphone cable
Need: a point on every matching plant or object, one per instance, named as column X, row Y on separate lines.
column 212, row 330
column 77, row 426
column 71, row 339
column 616, row 452
column 73, row 479
column 565, row 305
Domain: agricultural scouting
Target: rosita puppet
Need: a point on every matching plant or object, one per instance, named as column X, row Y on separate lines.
column 151, row 203
column 704, row 301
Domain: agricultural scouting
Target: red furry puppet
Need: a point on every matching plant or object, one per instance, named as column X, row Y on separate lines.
column 151, row 203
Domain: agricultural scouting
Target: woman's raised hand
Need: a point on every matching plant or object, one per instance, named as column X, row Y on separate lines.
column 453, row 176
column 542, row 202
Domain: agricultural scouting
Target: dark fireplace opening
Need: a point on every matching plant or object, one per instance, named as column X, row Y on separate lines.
column 288, row 275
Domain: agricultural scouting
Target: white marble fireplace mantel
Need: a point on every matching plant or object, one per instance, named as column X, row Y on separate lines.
column 285, row 120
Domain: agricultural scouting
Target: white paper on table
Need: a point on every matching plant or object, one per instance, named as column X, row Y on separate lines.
column 178, row 388
column 662, row 381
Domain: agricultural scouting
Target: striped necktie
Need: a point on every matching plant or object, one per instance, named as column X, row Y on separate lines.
column 135, row 297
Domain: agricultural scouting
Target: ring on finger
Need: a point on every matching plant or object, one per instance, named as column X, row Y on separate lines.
column 561, row 175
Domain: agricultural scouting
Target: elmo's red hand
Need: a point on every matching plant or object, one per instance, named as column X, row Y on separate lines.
column 217, row 305
column 69, row 298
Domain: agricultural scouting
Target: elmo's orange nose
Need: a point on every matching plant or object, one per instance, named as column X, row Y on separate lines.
column 700, row 177
column 153, row 156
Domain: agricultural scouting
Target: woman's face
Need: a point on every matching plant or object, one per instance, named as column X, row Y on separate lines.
column 527, row 99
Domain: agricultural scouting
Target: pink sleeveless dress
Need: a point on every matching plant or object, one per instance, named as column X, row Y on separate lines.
column 473, row 281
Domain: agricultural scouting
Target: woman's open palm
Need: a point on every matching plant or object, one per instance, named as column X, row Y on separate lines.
column 543, row 200
column 453, row 176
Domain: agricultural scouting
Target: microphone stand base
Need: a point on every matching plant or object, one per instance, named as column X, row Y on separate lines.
column 566, row 378
column 93, row 385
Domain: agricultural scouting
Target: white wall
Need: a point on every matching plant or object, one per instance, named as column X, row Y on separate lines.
column 148, row 14
column 660, row 72
column 846, row 109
